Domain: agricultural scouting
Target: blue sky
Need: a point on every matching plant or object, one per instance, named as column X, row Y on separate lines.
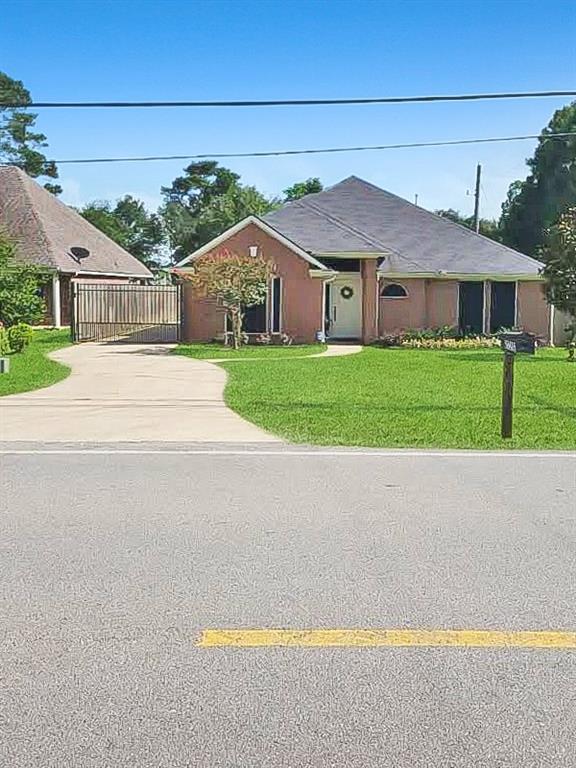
column 130, row 50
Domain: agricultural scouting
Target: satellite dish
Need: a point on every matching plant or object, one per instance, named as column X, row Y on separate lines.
column 79, row 253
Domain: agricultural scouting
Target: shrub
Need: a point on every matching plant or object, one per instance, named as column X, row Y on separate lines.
column 19, row 336
column 4, row 343
column 389, row 340
column 469, row 342
column 280, row 339
column 284, row 339
column 437, row 338
column 443, row 332
column 20, row 300
column 262, row 339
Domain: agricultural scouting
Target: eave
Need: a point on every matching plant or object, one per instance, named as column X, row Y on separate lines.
column 495, row 277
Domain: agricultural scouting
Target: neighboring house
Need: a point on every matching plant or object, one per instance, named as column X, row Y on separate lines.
column 359, row 262
column 49, row 233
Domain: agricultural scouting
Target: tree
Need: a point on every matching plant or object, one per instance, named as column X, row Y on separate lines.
column 235, row 281
column 234, row 205
column 560, row 270
column 20, row 299
column 302, row 188
column 533, row 205
column 201, row 182
column 204, row 202
column 100, row 214
column 19, row 144
column 130, row 225
column 488, row 227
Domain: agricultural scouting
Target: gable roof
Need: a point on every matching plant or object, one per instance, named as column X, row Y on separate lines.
column 44, row 230
column 355, row 216
column 265, row 227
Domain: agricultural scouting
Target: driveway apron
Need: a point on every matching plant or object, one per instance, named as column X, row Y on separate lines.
column 128, row 392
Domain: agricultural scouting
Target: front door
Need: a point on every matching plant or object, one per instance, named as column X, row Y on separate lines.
column 346, row 307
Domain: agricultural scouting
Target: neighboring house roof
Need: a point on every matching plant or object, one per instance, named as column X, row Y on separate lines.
column 44, row 231
column 355, row 216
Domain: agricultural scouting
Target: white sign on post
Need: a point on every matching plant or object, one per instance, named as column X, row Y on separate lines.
column 510, row 346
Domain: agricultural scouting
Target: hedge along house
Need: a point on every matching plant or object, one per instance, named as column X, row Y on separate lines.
column 358, row 262
column 52, row 235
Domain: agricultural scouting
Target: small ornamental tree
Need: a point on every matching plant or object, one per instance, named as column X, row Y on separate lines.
column 559, row 271
column 20, row 299
column 236, row 282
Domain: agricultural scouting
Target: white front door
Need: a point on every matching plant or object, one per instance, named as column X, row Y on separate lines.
column 346, row 309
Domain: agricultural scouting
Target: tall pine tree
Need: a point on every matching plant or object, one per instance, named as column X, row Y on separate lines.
column 20, row 145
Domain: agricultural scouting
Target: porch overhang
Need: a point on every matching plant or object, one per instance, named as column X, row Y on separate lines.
column 323, row 274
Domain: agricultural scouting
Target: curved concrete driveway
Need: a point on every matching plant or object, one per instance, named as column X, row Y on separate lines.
column 125, row 392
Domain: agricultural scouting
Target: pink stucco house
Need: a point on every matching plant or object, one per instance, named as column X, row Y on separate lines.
column 357, row 262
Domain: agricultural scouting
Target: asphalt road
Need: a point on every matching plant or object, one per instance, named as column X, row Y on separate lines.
column 112, row 565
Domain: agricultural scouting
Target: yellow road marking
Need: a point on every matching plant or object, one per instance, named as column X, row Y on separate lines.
column 390, row 638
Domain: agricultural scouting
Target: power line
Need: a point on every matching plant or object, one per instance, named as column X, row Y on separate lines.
column 328, row 150
column 287, row 102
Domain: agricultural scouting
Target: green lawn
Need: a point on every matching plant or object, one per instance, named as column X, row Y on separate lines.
column 31, row 369
column 219, row 351
column 405, row 398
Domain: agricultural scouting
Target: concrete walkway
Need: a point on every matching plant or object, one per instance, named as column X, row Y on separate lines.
column 126, row 392
column 332, row 350
column 340, row 350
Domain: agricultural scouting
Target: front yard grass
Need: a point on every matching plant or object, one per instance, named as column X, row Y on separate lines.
column 219, row 351
column 409, row 398
column 31, row 369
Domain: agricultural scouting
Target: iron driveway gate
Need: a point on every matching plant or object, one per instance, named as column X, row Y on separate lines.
column 130, row 313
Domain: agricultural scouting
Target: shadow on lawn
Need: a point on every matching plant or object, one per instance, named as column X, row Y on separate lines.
column 494, row 357
column 352, row 408
column 152, row 349
column 563, row 410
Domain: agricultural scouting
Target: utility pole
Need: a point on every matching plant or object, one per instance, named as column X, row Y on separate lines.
column 477, row 199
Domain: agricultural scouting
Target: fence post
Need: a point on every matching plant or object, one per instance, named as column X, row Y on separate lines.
column 180, row 310
column 73, row 333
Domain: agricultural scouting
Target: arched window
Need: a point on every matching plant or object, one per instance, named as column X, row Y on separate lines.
column 393, row 291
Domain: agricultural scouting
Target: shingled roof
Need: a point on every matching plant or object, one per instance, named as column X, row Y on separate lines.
column 355, row 216
column 45, row 230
